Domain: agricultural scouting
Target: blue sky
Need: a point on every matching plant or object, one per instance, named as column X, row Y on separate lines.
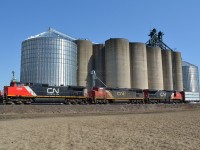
column 97, row 20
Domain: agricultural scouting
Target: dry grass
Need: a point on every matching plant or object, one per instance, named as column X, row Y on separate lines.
column 169, row 130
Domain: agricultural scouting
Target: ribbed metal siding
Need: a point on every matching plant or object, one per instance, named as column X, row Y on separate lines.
column 190, row 78
column 49, row 60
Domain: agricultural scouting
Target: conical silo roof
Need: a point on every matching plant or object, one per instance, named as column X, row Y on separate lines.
column 53, row 33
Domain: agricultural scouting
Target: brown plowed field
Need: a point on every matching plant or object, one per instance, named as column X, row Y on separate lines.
column 100, row 127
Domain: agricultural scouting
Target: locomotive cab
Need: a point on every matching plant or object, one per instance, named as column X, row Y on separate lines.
column 177, row 97
column 97, row 94
column 16, row 84
column 17, row 93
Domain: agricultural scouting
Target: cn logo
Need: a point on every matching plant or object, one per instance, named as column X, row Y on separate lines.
column 120, row 93
column 53, row 91
column 162, row 94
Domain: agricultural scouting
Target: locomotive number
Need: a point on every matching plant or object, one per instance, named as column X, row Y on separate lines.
column 53, row 91
column 120, row 93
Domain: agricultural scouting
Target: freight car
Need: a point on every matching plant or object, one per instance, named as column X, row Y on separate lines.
column 27, row 93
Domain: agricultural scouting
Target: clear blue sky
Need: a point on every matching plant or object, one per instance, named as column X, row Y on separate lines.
column 97, row 20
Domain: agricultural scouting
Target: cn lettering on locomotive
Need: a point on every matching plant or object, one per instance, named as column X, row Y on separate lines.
column 52, row 91
column 120, row 93
column 163, row 94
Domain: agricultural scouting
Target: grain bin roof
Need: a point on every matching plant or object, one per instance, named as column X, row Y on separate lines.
column 53, row 33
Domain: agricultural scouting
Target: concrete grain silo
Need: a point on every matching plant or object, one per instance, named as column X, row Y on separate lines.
column 177, row 71
column 167, row 69
column 155, row 71
column 85, row 63
column 138, row 66
column 99, row 63
column 117, row 61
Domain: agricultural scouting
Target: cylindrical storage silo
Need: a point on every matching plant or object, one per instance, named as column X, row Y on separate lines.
column 85, row 63
column 154, row 65
column 117, row 61
column 49, row 58
column 177, row 71
column 99, row 63
column 138, row 66
column 190, row 77
column 167, row 69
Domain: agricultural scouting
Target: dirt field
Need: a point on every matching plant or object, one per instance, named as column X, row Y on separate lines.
column 166, row 130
